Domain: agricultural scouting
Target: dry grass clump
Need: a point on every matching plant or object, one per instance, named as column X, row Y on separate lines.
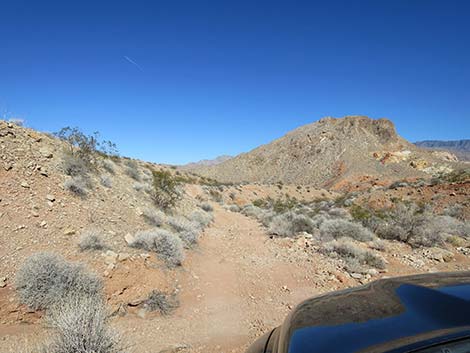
column 353, row 255
column 44, row 279
column 77, row 185
column 80, row 325
column 168, row 246
column 153, row 217
column 91, row 240
column 163, row 303
column 338, row 228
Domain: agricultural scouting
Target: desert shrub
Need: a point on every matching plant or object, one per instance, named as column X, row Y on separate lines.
column 215, row 195
column 457, row 176
column 317, row 220
column 46, row 278
column 106, row 181
column 165, row 191
column 266, row 217
column 179, row 223
column 77, row 186
column 85, row 147
column 109, row 166
column 359, row 213
column 234, row 208
column 74, row 166
column 161, row 302
column 251, row 211
column 207, row 207
column 455, row 210
column 202, row 218
column 377, row 244
column 91, row 240
column 338, row 212
column 282, row 205
column 262, row 203
column 16, row 121
column 137, row 186
column 168, row 246
column 324, row 205
column 450, row 225
column 338, row 228
column 289, row 224
column 187, row 230
column 153, row 217
column 80, row 325
column 417, row 226
column 398, row 184
column 455, row 240
column 353, row 254
column 133, row 172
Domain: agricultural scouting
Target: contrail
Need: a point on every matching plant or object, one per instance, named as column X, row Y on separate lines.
column 133, row 63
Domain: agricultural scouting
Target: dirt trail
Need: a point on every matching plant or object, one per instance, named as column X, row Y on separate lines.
column 236, row 286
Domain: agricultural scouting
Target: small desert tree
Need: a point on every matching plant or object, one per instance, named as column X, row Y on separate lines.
column 165, row 192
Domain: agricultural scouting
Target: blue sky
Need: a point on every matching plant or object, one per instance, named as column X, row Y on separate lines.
column 222, row 77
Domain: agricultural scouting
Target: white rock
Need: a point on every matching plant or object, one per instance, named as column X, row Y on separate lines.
column 129, row 238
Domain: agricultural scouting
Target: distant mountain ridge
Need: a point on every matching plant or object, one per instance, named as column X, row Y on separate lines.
column 461, row 148
column 206, row 162
column 328, row 151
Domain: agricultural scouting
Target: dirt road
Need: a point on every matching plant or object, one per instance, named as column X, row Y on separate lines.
column 236, row 286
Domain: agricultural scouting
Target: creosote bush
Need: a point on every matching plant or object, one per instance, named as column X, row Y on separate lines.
column 91, row 240
column 44, row 279
column 163, row 303
column 167, row 245
column 81, row 156
column 165, row 191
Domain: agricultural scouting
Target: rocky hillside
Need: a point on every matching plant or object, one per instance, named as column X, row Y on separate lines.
column 331, row 150
column 461, row 148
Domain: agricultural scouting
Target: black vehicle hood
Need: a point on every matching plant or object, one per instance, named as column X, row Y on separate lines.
column 380, row 316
